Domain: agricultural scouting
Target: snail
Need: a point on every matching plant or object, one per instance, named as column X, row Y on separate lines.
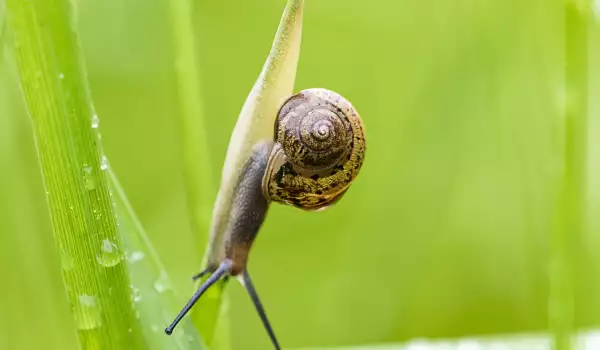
column 317, row 150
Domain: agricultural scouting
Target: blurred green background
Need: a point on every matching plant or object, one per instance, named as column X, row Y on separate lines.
column 443, row 234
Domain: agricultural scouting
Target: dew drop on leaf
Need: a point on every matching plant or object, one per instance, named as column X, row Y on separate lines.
column 104, row 163
column 87, row 312
column 136, row 256
column 135, row 294
column 66, row 261
column 109, row 254
column 162, row 284
column 89, row 178
column 95, row 121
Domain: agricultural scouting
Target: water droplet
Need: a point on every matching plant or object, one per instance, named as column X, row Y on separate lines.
column 129, row 330
column 66, row 261
column 104, row 163
column 109, row 254
column 87, row 312
column 89, row 178
column 87, row 300
column 95, row 121
column 135, row 294
column 136, row 256
column 61, row 76
column 154, row 328
column 162, row 284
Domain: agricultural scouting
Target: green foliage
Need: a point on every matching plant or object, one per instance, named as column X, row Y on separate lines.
column 85, row 229
column 571, row 200
column 196, row 160
column 74, row 169
column 254, row 124
column 152, row 290
column 447, row 231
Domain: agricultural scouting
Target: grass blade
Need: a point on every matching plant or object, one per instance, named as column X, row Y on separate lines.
column 153, row 292
column 571, row 199
column 193, row 130
column 255, row 123
column 2, row 30
column 196, row 160
column 256, row 120
column 56, row 92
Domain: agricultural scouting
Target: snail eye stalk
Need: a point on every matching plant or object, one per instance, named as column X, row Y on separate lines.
column 247, row 282
column 221, row 271
column 201, row 274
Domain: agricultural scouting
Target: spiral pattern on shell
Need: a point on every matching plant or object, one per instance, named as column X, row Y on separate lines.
column 313, row 132
column 320, row 146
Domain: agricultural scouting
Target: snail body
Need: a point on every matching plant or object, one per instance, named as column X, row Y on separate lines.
column 317, row 149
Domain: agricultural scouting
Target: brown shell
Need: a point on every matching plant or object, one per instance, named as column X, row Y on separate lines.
column 319, row 150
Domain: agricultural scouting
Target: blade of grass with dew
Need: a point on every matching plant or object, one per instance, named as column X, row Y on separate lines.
column 571, row 198
column 57, row 96
column 196, row 160
column 152, row 291
column 255, row 123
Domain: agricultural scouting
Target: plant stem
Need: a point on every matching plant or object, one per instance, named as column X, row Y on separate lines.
column 196, row 159
column 197, row 166
column 571, row 200
column 153, row 292
column 58, row 100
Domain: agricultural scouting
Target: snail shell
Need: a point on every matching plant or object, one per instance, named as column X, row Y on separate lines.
column 319, row 149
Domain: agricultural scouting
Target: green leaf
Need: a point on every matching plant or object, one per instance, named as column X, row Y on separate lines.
column 566, row 237
column 197, row 165
column 196, row 160
column 2, row 30
column 57, row 97
column 111, row 310
column 255, row 123
column 152, row 291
